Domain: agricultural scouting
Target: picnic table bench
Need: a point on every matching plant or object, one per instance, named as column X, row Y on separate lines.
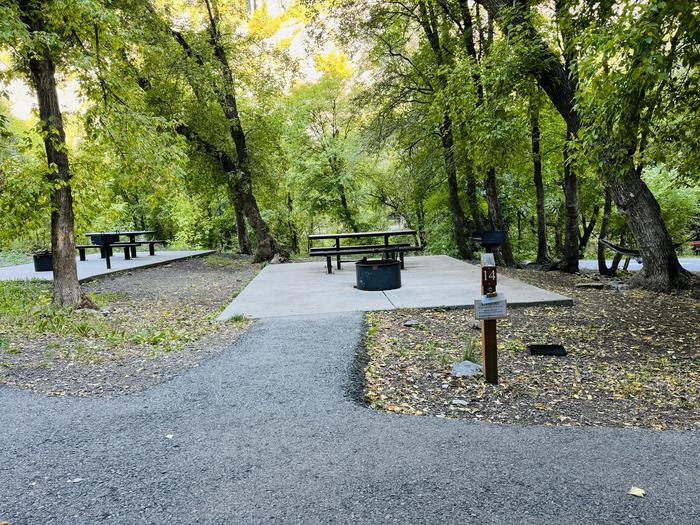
column 387, row 249
column 106, row 250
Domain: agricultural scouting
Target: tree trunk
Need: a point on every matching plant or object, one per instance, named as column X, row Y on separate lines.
column 245, row 201
column 470, row 48
column 569, row 262
column 294, row 236
column 661, row 270
column 241, row 231
column 240, row 187
column 587, row 230
column 431, row 27
column 347, row 214
column 604, row 227
column 558, row 243
column 66, row 287
column 472, row 199
column 336, row 171
column 458, row 219
column 603, row 268
column 496, row 216
column 542, row 254
column 266, row 244
column 420, row 219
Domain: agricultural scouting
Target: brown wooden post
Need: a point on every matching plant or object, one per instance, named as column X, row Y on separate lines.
column 488, row 350
column 489, row 355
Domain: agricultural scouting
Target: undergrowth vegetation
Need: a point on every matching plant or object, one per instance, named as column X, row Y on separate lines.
column 121, row 321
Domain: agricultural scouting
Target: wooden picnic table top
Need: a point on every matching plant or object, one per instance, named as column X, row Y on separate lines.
column 355, row 235
column 138, row 232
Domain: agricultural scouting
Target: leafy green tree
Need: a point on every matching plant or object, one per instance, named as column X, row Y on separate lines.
column 42, row 37
column 324, row 156
column 641, row 43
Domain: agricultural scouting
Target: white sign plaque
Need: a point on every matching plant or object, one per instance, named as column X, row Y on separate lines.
column 487, row 259
column 496, row 298
column 490, row 310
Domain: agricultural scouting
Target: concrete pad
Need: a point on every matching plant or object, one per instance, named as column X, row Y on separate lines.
column 427, row 282
column 443, row 281
column 94, row 266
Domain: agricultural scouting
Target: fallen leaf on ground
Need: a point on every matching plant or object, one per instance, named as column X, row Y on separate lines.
column 169, row 436
column 618, row 373
column 636, row 491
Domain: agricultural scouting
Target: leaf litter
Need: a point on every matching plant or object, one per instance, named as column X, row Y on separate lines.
column 633, row 360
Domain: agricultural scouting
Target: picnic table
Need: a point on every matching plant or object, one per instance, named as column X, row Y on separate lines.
column 106, row 241
column 100, row 238
column 385, row 248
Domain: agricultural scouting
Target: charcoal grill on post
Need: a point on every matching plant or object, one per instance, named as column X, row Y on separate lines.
column 490, row 240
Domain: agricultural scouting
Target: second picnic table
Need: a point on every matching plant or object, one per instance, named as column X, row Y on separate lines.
column 114, row 237
column 339, row 250
column 105, row 241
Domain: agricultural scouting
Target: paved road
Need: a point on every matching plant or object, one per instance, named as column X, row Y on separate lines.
column 692, row 264
column 268, row 432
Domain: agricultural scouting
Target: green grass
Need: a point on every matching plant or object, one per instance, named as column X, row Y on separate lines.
column 238, row 318
column 25, row 306
column 123, row 323
column 12, row 258
column 26, row 312
column 221, row 259
column 472, row 349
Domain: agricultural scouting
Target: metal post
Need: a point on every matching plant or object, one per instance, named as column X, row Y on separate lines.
column 337, row 247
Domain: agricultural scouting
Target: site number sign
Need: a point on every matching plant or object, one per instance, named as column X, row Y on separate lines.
column 488, row 279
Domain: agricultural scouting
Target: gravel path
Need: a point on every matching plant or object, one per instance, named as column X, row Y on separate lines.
column 269, row 432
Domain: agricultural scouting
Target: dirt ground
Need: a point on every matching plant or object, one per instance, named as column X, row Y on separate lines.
column 151, row 325
column 633, row 360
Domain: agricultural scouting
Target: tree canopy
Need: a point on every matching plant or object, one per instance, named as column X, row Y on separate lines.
column 220, row 125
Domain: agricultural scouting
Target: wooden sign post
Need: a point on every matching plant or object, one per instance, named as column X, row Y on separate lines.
column 489, row 356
